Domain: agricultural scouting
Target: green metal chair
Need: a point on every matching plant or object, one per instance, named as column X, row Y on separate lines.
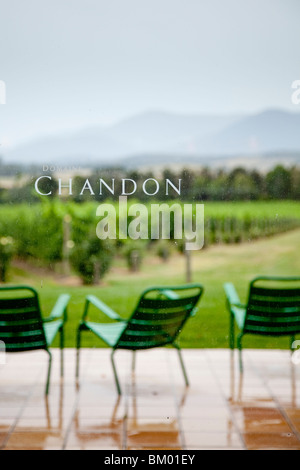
column 22, row 327
column 157, row 321
column 273, row 309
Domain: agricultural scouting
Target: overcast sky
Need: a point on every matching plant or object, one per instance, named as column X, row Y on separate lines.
column 73, row 63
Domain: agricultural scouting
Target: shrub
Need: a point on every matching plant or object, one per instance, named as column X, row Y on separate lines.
column 92, row 259
column 163, row 250
column 6, row 254
column 134, row 253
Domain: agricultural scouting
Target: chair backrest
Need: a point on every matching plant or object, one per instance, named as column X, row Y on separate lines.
column 273, row 306
column 21, row 325
column 159, row 317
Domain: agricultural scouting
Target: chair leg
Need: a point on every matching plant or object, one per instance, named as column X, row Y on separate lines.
column 182, row 364
column 292, row 339
column 78, row 344
column 62, row 344
column 133, row 361
column 239, row 345
column 231, row 332
column 49, row 373
column 115, row 373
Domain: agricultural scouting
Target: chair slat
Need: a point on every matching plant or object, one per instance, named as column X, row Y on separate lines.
column 271, row 292
column 276, row 303
column 148, row 328
column 25, row 340
column 156, row 322
column 159, row 304
column 22, row 333
column 134, row 343
column 21, row 324
column 19, row 319
column 273, row 311
column 17, row 303
column 271, row 330
column 28, row 346
column 164, row 317
column 273, row 319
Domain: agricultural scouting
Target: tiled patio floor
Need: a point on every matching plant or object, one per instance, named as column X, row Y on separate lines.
column 156, row 411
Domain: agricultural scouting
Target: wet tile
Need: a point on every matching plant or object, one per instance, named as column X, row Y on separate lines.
column 9, row 412
column 95, row 440
column 31, row 448
column 40, row 424
column 100, row 413
column 257, row 402
column 145, row 447
column 159, row 412
column 152, row 423
column 212, row 440
column 40, row 412
column 201, row 412
column 154, row 439
column 271, row 441
column 6, row 424
column 216, row 424
column 151, row 432
column 85, row 424
column 3, row 437
column 91, row 447
column 261, row 420
column 216, row 448
column 156, row 410
column 295, row 425
column 34, row 440
column 293, row 413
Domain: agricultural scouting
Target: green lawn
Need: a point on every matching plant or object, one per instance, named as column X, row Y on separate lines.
column 212, row 267
column 253, row 208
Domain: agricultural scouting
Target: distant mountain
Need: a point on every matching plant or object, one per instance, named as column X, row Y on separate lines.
column 153, row 132
column 269, row 131
column 168, row 137
column 88, row 146
column 148, row 132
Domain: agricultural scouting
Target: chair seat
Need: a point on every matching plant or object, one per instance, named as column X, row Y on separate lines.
column 51, row 329
column 108, row 332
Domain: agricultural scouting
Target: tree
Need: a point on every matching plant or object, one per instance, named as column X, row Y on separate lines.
column 188, row 180
column 279, row 183
column 295, row 175
column 241, row 185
